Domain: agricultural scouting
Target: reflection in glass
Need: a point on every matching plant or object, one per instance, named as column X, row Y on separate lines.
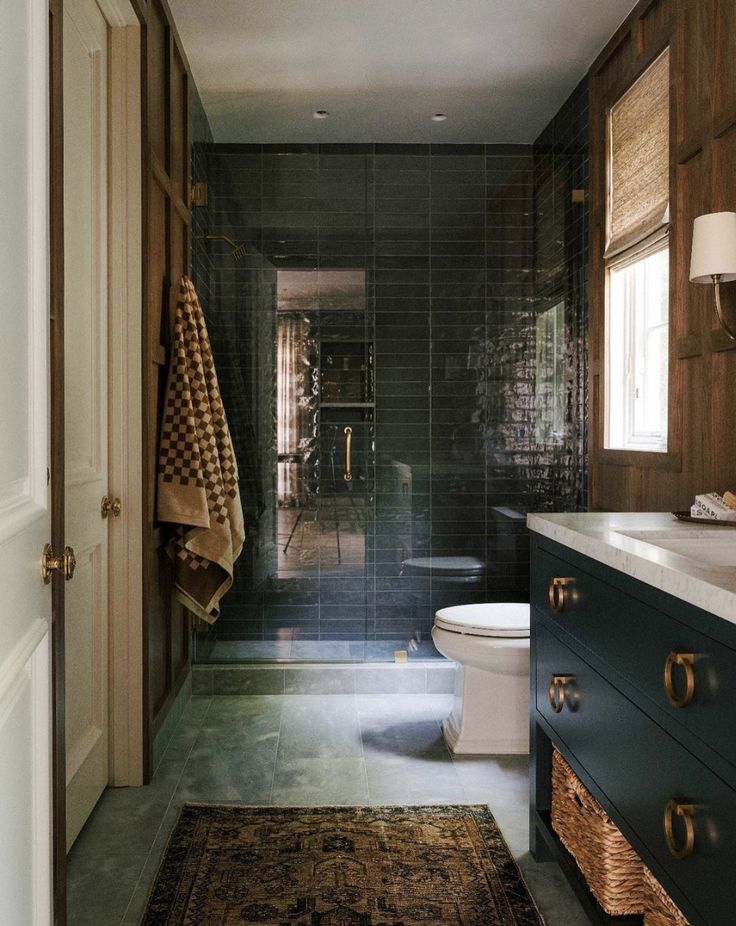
column 549, row 399
column 324, row 385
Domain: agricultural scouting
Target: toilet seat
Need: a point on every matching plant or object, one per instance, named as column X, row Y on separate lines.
column 509, row 620
column 444, row 566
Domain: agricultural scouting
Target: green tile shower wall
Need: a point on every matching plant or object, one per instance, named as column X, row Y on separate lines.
column 462, row 245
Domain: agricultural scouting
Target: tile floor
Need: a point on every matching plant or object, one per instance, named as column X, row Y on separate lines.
column 295, row 750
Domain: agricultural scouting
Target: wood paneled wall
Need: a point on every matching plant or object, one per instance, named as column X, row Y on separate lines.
column 166, row 256
column 702, row 440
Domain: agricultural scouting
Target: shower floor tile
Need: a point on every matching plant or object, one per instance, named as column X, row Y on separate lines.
column 297, row 750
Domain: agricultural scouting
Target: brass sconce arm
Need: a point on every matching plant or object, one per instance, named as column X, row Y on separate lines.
column 719, row 311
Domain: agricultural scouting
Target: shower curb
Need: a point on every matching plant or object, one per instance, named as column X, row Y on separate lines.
column 321, row 679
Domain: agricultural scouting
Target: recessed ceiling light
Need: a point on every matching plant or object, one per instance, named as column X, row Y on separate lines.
column 439, row 117
column 321, row 114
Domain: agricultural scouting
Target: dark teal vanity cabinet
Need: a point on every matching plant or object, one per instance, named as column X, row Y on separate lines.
column 637, row 690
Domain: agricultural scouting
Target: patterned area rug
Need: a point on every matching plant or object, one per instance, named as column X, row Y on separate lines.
column 338, row 866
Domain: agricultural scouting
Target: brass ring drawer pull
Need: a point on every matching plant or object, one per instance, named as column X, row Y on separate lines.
column 687, row 812
column 557, row 593
column 685, row 661
column 557, row 692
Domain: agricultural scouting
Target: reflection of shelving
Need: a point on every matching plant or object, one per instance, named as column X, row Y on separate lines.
column 346, row 374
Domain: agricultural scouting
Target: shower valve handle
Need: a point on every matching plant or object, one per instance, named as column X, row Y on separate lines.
column 348, row 449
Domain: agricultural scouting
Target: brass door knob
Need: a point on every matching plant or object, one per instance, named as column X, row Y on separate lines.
column 686, row 661
column 557, row 691
column 111, row 506
column 679, row 850
column 557, row 593
column 64, row 564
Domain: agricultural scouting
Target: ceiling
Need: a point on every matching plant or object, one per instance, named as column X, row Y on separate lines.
column 499, row 69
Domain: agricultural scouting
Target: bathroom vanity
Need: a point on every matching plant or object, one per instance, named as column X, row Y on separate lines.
column 633, row 680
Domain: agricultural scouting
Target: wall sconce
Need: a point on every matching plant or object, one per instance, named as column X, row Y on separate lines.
column 713, row 258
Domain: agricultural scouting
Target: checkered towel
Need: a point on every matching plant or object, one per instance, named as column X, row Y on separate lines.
column 197, row 472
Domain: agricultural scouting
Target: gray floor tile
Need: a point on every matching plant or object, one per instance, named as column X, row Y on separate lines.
column 106, row 861
column 292, row 750
column 552, row 894
column 399, row 741
column 319, row 680
column 403, row 707
column 499, row 778
column 201, row 680
column 319, row 726
column 241, row 720
column 406, row 679
column 440, row 679
column 320, row 781
column 236, row 773
column 247, row 680
column 396, row 782
column 137, row 902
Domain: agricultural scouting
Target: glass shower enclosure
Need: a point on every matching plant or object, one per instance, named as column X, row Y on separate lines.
column 375, row 348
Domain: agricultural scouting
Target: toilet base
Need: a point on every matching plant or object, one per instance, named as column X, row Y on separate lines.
column 490, row 714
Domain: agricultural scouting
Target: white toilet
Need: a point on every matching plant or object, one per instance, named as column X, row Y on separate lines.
column 490, row 644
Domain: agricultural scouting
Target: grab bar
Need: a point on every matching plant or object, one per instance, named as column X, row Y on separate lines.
column 348, row 447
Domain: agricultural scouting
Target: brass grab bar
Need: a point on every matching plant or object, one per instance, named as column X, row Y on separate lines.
column 348, row 447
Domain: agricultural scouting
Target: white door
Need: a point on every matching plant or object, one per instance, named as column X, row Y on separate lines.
column 86, row 398
column 25, row 522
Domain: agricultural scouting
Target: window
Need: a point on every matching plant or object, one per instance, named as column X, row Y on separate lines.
column 637, row 350
column 637, row 265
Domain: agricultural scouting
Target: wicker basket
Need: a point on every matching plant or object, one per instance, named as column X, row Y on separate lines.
column 659, row 910
column 613, row 871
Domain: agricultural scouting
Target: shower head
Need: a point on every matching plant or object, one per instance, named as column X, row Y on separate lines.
column 239, row 249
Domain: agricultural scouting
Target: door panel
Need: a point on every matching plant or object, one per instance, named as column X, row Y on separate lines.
column 25, row 522
column 86, row 398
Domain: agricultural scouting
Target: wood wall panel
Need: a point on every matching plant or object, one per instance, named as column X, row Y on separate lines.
column 702, row 447
column 157, row 41
column 179, row 120
column 721, row 441
column 725, row 61
column 689, row 311
column 653, row 26
column 693, row 70
column 166, row 258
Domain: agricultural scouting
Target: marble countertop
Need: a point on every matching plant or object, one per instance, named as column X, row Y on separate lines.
column 697, row 578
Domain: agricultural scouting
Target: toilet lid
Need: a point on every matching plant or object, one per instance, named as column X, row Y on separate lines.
column 445, row 565
column 486, row 620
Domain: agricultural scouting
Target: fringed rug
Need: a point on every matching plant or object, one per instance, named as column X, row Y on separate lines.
column 338, row 866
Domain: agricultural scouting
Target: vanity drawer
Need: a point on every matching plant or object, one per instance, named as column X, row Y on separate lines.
column 641, row 769
column 640, row 643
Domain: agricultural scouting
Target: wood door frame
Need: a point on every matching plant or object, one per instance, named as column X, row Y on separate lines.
column 56, row 449
column 125, row 579
column 125, row 412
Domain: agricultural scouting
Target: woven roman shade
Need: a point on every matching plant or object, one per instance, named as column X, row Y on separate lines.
column 638, row 166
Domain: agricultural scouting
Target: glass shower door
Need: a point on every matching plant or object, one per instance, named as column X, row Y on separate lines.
column 324, row 423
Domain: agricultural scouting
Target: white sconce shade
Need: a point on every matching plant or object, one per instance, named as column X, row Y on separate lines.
column 714, row 248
